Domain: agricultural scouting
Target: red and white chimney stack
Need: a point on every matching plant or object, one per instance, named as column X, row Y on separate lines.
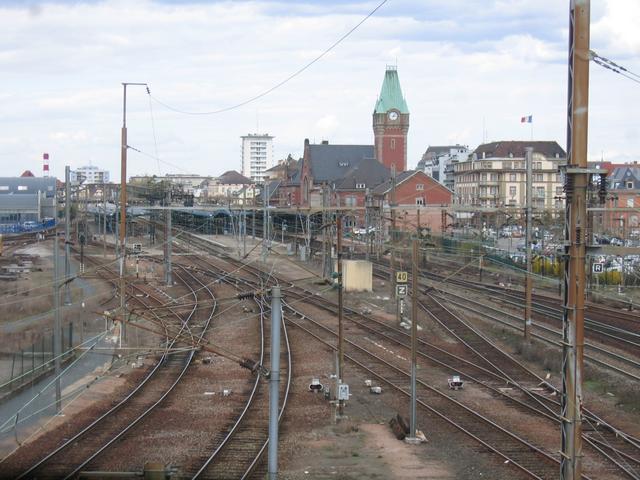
column 45, row 164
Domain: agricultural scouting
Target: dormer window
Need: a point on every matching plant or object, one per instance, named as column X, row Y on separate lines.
column 361, row 186
column 343, row 164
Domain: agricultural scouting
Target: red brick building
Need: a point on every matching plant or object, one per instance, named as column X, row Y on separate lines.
column 345, row 172
column 414, row 191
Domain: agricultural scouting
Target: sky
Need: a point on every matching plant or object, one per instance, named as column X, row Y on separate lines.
column 469, row 69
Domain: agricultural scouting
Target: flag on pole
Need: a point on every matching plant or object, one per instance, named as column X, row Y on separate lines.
column 528, row 119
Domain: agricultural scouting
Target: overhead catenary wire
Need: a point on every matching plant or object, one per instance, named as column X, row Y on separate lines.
column 153, row 128
column 614, row 67
column 279, row 84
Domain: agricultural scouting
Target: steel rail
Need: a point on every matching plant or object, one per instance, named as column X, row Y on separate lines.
column 117, row 407
column 481, row 418
column 595, row 446
column 255, row 461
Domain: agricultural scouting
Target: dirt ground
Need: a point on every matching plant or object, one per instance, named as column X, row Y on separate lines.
column 313, row 444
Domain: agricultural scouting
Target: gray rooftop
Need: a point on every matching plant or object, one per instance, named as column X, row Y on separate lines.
column 27, row 185
column 369, row 171
column 329, row 163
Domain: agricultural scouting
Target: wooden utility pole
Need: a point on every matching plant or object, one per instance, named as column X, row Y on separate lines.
column 123, row 210
column 528, row 208
column 577, row 180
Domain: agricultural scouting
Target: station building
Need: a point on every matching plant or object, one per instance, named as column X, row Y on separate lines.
column 26, row 199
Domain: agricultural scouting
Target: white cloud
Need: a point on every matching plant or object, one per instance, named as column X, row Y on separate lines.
column 459, row 62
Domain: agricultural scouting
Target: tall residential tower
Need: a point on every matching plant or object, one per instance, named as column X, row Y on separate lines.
column 257, row 155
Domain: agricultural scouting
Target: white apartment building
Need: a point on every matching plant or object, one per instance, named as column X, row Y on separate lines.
column 89, row 175
column 436, row 159
column 257, row 155
column 496, row 175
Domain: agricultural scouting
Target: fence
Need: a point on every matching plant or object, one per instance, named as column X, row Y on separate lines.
column 27, row 363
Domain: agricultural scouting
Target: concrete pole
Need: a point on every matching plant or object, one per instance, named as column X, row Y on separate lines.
column 168, row 237
column 414, row 338
column 392, row 254
column 104, row 222
column 340, row 309
column 123, row 214
column 528, row 277
column 67, row 233
column 274, row 382
column 57, row 323
column 575, row 226
column 325, row 273
column 308, row 239
column 265, row 222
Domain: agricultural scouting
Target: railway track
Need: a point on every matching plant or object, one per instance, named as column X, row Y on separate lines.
column 550, row 334
column 69, row 458
column 514, row 450
column 620, row 449
column 238, row 453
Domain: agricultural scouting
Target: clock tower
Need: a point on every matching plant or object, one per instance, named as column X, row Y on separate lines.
column 391, row 123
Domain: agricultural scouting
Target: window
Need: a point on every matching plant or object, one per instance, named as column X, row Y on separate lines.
column 507, row 165
column 629, row 185
column 393, row 144
column 512, row 191
column 22, row 188
column 558, row 177
column 538, row 177
column 343, row 164
column 494, row 177
column 420, row 186
column 486, row 164
column 419, row 200
column 537, row 165
column 540, row 192
column 559, row 191
column 493, row 191
column 361, row 186
column 629, row 202
column 513, row 177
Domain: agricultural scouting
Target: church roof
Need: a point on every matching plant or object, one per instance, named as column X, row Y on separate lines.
column 391, row 94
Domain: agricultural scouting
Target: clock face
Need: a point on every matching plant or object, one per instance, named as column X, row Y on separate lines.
column 393, row 115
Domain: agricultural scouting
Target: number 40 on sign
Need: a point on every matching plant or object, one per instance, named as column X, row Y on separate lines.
column 402, row 277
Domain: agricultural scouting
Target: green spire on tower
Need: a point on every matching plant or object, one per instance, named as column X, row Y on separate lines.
column 391, row 94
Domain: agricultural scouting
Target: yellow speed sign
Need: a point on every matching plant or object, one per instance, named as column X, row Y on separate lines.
column 402, row 277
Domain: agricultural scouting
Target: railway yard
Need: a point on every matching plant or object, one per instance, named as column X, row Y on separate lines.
column 183, row 389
